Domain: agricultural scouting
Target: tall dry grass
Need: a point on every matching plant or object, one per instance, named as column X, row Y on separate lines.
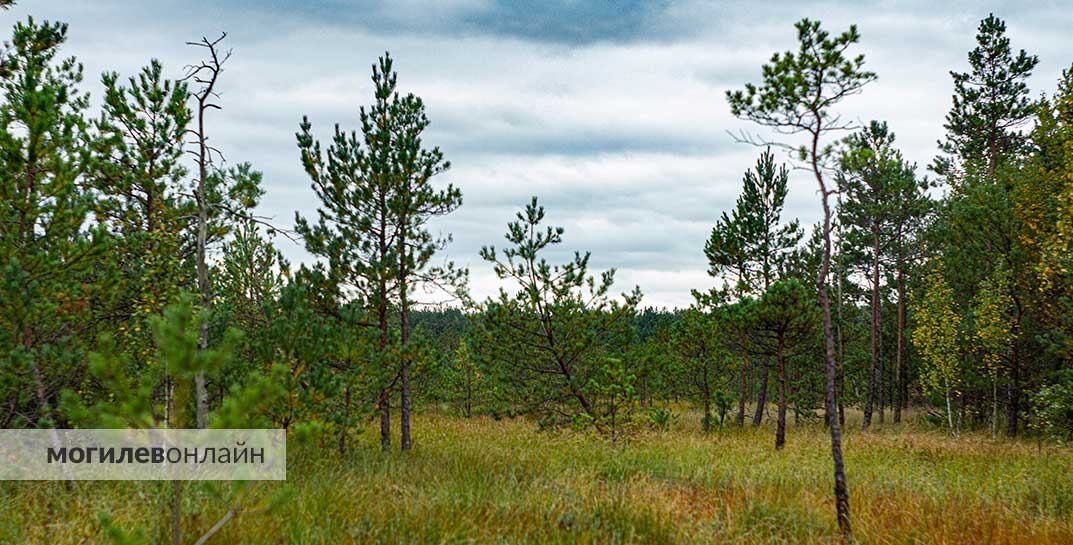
column 485, row 481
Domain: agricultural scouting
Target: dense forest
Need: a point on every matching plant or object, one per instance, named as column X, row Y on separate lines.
column 141, row 288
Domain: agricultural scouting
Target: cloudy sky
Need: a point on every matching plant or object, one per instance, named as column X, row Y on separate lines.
column 611, row 112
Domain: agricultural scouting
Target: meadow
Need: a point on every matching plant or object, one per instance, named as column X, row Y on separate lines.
column 480, row 480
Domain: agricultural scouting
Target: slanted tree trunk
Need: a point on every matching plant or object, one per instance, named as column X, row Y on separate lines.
column 841, row 489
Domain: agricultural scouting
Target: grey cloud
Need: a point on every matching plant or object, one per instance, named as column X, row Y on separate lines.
column 613, row 116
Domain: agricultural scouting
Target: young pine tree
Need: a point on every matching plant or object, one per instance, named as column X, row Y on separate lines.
column 751, row 245
column 797, row 96
column 415, row 201
column 138, row 175
column 46, row 256
column 355, row 232
column 784, row 320
column 547, row 338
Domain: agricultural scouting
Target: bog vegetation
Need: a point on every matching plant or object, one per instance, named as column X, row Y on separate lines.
column 912, row 352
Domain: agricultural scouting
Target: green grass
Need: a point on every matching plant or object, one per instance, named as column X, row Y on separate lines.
column 483, row 481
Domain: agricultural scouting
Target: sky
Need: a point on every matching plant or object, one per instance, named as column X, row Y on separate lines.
column 612, row 113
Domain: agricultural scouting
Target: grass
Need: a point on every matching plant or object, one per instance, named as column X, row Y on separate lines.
column 484, row 481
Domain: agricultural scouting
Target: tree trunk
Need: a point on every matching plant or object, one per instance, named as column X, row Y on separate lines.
column 201, row 393
column 707, row 425
column 841, row 490
column 404, row 367
column 780, row 430
column 900, row 349
column 881, row 375
column 346, row 421
column 383, row 249
column 469, row 394
column 870, row 398
column 743, row 392
column 994, row 406
column 383, row 405
column 1014, row 398
column 761, row 396
column 950, row 413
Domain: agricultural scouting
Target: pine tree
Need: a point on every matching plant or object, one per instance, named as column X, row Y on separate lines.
column 753, row 242
column 870, row 172
column 784, row 320
column 250, row 275
column 138, row 175
column 414, row 202
column 983, row 157
column 356, row 232
column 990, row 103
column 46, row 257
column 752, row 245
column 797, row 96
column 703, row 354
column 547, row 338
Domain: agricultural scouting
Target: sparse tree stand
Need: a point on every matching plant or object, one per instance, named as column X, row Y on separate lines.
column 870, row 178
column 750, row 246
column 796, row 96
column 981, row 156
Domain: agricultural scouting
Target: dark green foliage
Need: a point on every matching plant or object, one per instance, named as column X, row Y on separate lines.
column 46, row 256
column 137, row 172
column 751, row 245
column 990, row 103
column 881, row 201
column 705, row 362
column 785, row 323
column 546, row 341
column 377, row 197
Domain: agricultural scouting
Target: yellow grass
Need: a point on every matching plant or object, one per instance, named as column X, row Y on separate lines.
column 486, row 481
